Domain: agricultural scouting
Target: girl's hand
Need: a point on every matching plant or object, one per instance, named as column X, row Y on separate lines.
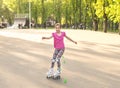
column 43, row 38
column 47, row 37
column 75, row 42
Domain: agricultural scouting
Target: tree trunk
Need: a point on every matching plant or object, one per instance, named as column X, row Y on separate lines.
column 66, row 18
column 105, row 16
column 80, row 11
column 43, row 14
column 119, row 28
column 36, row 15
column 85, row 21
column 58, row 11
column 75, row 23
column 105, row 23
column 18, row 8
column 95, row 25
column 74, row 15
column 112, row 26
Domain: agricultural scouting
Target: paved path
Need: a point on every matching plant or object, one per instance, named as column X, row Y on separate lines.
column 93, row 63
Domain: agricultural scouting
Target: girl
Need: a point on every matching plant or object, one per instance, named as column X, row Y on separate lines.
column 59, row 49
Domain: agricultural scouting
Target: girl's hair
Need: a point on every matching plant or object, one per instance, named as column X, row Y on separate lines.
column 58, row 24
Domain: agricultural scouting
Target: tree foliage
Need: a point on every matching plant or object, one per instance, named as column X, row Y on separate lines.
column 71, row 13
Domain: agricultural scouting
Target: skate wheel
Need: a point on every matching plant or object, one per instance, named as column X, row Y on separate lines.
column 56, row 78
column 48, row 77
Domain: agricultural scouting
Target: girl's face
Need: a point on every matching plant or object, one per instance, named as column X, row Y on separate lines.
column 57, row 28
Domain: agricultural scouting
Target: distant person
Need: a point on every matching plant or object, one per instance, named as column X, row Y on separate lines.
column 59, row 50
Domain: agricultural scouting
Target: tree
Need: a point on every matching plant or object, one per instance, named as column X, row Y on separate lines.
column 100, row 7
column 93, row 13
column 114, row 12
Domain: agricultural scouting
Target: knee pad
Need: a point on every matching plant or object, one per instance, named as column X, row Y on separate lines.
column 57, row 59
column 53, row 60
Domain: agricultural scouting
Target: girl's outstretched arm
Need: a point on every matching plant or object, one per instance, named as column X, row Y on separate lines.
column 47, row 37
column 70, row 39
